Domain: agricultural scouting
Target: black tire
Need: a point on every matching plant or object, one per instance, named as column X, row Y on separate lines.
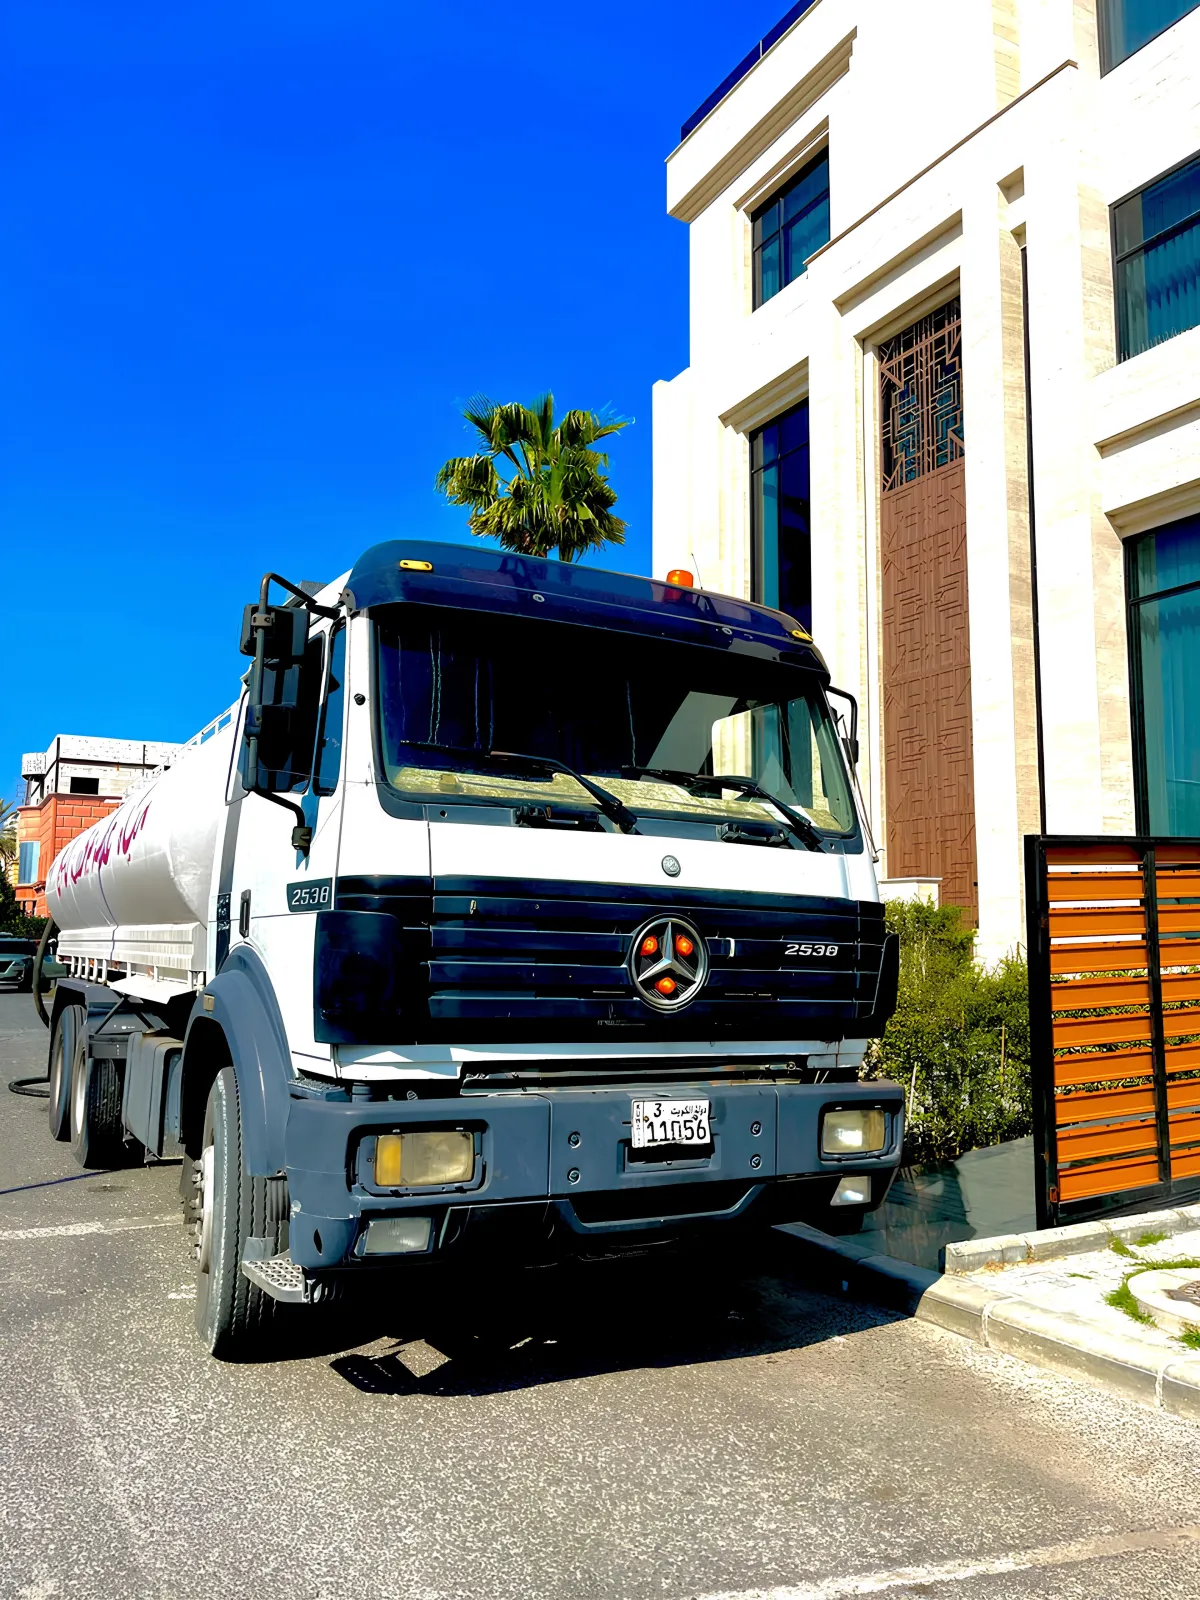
column 67, row 1027
column 233, row 1316
column 96, row 1140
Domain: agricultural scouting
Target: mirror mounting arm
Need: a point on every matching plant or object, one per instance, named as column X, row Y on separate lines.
column 302, row 834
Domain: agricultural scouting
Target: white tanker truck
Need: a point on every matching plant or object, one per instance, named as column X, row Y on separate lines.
column 514, row 906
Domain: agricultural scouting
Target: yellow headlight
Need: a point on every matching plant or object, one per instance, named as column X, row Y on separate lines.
column 853, row 1132
column 421, row 1160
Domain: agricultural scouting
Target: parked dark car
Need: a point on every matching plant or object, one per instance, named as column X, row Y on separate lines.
column 16, row 961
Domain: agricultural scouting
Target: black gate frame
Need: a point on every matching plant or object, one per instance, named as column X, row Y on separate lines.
column 1051, row 1211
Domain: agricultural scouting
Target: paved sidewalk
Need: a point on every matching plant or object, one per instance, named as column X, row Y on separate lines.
column 1079, row 1284
column 1040, row 1297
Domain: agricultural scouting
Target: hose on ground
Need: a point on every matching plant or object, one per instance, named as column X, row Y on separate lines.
column 38, row 1088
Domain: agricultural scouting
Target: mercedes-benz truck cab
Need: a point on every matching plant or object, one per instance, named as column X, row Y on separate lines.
column 516, row 905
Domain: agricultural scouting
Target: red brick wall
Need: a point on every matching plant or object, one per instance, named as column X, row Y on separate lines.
column 54, row 824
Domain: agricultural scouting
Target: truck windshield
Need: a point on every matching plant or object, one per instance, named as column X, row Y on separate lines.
column 639, row 715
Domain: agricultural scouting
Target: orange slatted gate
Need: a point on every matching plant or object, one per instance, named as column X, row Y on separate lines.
column 1114, row 996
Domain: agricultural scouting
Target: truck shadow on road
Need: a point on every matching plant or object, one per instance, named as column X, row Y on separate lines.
column 491, row 1331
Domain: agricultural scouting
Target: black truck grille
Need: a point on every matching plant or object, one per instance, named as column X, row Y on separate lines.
column 543, row 959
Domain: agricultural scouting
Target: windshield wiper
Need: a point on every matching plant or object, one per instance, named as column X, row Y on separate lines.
column 608, row 803
column 796, row 820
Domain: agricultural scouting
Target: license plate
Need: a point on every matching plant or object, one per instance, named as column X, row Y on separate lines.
column 682, row 1122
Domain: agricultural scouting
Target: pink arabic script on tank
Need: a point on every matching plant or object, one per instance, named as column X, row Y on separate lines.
column 95, row 849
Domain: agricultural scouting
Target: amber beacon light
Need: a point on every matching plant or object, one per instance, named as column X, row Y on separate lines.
column 680, row 576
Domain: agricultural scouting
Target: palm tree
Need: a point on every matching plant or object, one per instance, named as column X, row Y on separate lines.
column 8, row 837
column 535, row 486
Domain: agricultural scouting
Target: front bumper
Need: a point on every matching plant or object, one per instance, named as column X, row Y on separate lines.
column 555, row 1169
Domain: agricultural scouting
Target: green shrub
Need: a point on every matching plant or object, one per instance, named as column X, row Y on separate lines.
column 959, row 1041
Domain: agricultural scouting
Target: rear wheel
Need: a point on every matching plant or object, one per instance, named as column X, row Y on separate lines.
column 67, row 1027
column 229, row 1206
column 95, row 1107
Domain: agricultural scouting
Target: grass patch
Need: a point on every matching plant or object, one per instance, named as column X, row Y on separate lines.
column 1121, row 1298
column 1119, row 1247
column 1150, row 1238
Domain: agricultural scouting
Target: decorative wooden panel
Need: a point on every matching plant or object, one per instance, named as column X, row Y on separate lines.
column 928, row 766
column 1114, row 987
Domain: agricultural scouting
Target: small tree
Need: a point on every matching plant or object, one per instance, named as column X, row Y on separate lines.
column 537, row 486
column 959, row 1041
column 9, row 850
column 13, row 918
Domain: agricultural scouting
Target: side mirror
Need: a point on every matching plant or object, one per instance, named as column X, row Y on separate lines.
column 283, row 693
column 850, row 739
column 285, row 630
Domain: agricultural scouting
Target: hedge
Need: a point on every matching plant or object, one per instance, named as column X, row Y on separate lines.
column 959, row 1041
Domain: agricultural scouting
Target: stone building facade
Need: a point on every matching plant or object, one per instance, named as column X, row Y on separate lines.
column 74, row 783
column 943, row 402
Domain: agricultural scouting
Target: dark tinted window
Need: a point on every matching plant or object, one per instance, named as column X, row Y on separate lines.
column 85, row 785
column 1157, row 238
column 1126, row 25
column 779, row 514
column 1164, row 635
column 788, row 230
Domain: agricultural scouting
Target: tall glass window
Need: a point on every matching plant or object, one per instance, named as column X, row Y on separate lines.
column 787, row 230
column 27, row 862
column 779, row 515
column 1126, row 25
column 1163, row 571
column 1157, row 239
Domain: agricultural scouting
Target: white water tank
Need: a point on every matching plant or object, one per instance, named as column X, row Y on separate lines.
column 151, row 861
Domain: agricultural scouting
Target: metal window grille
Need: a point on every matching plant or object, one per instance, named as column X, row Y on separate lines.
column 920, row 375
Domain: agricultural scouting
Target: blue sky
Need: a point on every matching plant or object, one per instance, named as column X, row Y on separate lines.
column 255, row 255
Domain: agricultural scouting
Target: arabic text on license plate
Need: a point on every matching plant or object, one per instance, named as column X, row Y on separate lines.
column 670, row 1122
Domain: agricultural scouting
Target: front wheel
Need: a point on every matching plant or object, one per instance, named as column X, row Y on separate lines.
column 233, row 1316
column 67, row 1027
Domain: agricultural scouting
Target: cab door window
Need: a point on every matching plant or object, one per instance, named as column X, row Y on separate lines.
column 328, row 763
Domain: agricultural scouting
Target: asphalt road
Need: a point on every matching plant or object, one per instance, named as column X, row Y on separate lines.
column 631, row 1431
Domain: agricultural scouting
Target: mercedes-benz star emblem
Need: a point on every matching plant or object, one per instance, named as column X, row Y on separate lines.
column 668, row 963
column 671, row 867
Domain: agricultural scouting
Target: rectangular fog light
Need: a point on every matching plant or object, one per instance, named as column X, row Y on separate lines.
column 422, row 1160
column 397, row 1236
column 857, row 1131
column 852, row 1192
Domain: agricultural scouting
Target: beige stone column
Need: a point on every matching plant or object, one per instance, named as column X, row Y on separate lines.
column 1084, row 669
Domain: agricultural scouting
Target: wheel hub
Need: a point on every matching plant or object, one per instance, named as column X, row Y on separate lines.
column 205, row 1171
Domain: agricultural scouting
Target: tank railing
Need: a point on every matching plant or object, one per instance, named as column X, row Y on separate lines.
column 208, row 731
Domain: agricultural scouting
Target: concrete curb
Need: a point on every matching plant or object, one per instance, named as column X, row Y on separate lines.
column 1120, row 1363
column 1049, row 1244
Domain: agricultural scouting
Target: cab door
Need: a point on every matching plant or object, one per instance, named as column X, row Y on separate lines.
column 277, row 890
